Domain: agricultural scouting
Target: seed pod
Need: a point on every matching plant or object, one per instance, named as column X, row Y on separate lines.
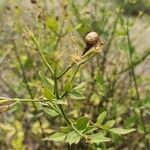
column 91, row 40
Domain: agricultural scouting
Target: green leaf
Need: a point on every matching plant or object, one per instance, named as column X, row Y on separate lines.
column 121, row 131
column 73, row 137
column 60, row 102
column 78, row 26
column 50, row 112
column 98, row 138
column 68, row 86
column 90, row 129
column 83, row 28
column 101, row 118
column 56, row 137
column 110, row 123
column 48, row 94
column 65, row 129
column 47, row 82
column 94, row 99
column 80, row 86
column 52, row 23
column 121, row 33
column 82, row 123
column 76, row 95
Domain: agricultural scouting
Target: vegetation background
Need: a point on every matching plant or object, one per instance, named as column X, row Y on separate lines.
column 118, row 80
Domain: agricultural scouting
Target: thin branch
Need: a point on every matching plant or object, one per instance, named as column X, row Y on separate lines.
column 39, row 48
column 65, row 71
column 62, row 110
column 135, row 84
column 107, row 48
column 27, row 85
column 137, row 62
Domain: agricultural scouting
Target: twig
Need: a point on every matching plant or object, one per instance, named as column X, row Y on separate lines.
column 30, row 34
column 147, row 53
column 6, row 99
column 63, row 113
column 106, row 50
column 135, row 84
column 65, row 71
column 27, row 85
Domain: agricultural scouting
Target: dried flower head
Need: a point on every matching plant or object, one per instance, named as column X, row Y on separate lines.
column 98, row 47
column 75, row 57
column 58, row 55
column 6, row 107
column 72, row 45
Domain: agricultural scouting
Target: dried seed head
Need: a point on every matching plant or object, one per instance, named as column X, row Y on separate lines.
column 75, row 57
column 6, row 107
column 58, row 55
column 92, row 38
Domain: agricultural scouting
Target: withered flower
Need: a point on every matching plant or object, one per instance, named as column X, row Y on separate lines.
column 6, row 107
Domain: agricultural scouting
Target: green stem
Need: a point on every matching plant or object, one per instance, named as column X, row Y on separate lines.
column 27, row 85
column 98, row 126
column 65, row 71
column 72, row 79
column 63, row 94
column 36, row 42
column 46, row 63
column 81, row 63
column 62, row 111
column 5, row 99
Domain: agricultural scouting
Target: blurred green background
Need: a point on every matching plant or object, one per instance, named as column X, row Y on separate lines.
column 118, row 80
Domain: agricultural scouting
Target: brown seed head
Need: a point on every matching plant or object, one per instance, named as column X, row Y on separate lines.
column 92, row 38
